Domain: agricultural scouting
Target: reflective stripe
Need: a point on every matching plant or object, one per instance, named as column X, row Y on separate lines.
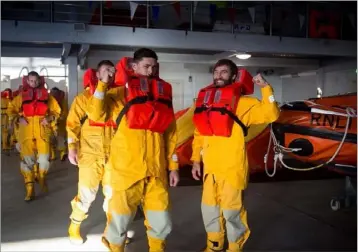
column 160, row 224
column 70, row 140
column 98, row 95
column 211, row 218
column 271, row 98
column 234, row 225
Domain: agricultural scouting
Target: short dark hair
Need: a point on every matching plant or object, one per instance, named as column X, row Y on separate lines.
column 229, row 63
column 105, row 62
column 33, row 73
column 144, row 53
column 55, row 89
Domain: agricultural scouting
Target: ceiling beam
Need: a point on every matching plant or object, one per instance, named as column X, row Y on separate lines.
column 210, row 60
column 34, row 32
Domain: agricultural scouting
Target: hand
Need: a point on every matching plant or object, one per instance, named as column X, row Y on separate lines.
column 260, row 81
column 44, row 122
column 107, row 74
column 174, row 178
column 72, row 156
column 23, row 121
column 195, row 171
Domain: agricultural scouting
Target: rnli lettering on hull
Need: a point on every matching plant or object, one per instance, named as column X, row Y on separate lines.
column 333, row 121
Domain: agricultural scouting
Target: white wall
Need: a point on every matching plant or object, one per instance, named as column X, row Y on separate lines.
column 299, row 88
column 332, row 82
column 339, row 82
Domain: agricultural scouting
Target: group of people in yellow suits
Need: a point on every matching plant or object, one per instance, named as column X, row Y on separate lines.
column 34, row 116
column 121, row 133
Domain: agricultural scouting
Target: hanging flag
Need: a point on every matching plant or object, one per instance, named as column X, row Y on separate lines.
column 220, row 4
column 109, row 4
column 195, row 5
column 155, row 12
column 252, row 12
column 232, row 14
column 213, row 12
column 351, row 18
column 133, row 7
column 176, row 6
column 302, row 20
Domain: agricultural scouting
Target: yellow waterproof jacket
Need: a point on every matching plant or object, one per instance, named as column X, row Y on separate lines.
column 93, row 140
column 135, row 154
column 33, row 129
column 4, row 117
column 226, row 157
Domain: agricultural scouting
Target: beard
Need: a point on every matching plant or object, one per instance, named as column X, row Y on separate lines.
column 221, row 82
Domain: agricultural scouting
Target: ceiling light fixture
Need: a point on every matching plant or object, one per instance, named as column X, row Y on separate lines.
column 243, row 56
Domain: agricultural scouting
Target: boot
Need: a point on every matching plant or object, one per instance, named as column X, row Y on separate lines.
column 74, row 234
column 29, row 186
column 42, row 181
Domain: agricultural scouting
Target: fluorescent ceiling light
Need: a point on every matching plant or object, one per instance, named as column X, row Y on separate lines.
column 243, row 56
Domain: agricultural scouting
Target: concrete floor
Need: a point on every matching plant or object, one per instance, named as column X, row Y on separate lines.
column 283, row 215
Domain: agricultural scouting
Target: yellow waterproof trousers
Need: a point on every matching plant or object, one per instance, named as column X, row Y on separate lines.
column 90, row 175
column 30, row 150
column 121, row 208
column 58, row 143
column 222, row 207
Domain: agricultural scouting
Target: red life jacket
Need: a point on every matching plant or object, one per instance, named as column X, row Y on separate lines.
column 215, row 111
column 149, row 104
column 34, row 100
column 7, row 93
column 90, row 81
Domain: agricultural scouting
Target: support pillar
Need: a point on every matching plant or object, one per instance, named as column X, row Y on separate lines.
column 72, row 78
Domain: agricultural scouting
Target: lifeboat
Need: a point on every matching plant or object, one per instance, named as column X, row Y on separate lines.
column 319, row 132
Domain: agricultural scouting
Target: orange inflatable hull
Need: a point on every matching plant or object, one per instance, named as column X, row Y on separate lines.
column 318, row 129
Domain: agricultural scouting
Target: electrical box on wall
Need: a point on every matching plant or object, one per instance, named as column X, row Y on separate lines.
column 79, row 27
column 190, row 79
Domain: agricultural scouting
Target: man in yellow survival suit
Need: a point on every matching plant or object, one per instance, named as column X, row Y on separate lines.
column 60, row 135
column 142, row 150
column 222, row 117
column 89, row 145
column 6, row 132
column 34, row 109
